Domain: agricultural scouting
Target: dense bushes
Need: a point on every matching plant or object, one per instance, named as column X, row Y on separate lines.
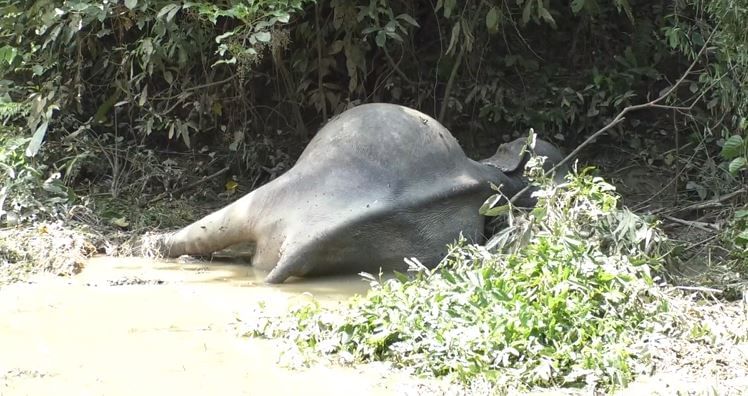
column 206, row 72
column 255, row 79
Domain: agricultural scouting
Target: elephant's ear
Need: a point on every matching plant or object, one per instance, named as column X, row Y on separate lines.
column 509, row 156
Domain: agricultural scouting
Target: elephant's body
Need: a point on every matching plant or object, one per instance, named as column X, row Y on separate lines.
column 378, row 183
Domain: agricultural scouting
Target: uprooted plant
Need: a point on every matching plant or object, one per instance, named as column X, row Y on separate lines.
column 567, row 299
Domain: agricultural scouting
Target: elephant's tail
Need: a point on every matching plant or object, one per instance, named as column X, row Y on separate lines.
column 218, row 230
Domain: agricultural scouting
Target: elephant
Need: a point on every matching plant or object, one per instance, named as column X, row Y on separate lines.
column 378, row 183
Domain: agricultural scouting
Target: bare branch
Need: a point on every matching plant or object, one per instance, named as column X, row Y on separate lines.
column 714, row 203
column 620, row 117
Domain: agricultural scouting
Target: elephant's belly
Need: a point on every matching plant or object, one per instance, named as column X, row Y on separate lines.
column 385, row 244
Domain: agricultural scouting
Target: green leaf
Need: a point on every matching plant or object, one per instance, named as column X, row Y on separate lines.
column 697, row 39
column 492, row 20
column 733, row 147
column 453, row 39
column 171, row 13
column 449, row 5
column 167, row 8
column 131, row 4
column 7, row 54
column 36, row 140
column 539, row 212
column 577, row 5
column 394, row 36
column 526, row 13
column 120, row 222
column 490, row 203
column 381, row 38
column 546, row 16
column 743, row 236
column 624, row 4
column 739, row 214
column 224, row 36
column 737, row 164
column 497, row 211
column 409, row 19
column 143, row 96
column 263, row 37
column 37, row 70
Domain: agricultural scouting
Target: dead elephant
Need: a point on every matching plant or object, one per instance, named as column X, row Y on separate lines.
column 378, row 183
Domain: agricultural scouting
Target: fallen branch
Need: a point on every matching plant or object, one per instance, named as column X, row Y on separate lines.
column 699, row 289
column 187, row 187
column 620, row 117
column 714, row 203
column 695, row 224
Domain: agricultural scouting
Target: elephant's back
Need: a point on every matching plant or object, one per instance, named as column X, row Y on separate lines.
column 386, row 139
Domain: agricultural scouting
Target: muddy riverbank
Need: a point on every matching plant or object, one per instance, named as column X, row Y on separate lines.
column 138, row 327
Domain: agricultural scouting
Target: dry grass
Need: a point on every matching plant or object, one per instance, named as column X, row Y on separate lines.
column 708, row 354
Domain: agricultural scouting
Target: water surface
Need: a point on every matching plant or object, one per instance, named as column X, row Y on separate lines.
column 130, row 326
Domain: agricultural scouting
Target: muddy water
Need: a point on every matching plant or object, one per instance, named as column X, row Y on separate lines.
column 136, row 327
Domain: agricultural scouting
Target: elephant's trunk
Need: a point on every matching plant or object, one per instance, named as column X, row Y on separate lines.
column 216, row 231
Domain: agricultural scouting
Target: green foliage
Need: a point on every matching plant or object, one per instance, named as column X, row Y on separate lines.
column 735, row 150
column 25, row 193
column 736, row 238
column 722, row 82
column 563, row 305
column 201, row 72
column 138, row 57
column 171, row 67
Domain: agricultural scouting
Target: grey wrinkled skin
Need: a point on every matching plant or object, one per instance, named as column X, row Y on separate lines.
column 378, row 183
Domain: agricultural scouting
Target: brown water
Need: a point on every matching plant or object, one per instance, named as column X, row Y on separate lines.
column 137, row 327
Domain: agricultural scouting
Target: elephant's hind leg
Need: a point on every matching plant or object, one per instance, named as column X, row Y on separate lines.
column 290, row 263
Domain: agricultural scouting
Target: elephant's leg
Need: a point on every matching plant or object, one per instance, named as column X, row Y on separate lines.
column 294, row 258
column 218, row 230
column 287, row 266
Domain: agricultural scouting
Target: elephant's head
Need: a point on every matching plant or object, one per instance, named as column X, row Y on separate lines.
column 510, row 159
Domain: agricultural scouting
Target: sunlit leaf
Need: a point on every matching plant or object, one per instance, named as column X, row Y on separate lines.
column 409, row 19
column 263, row 37
column 492, row 19
column 381, row 38
column 36, row 139
column 577, row 5
column 454, row 38
column 738, row 164
column 733, row 147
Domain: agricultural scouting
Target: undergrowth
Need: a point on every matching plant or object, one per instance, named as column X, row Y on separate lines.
column 567, row 298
